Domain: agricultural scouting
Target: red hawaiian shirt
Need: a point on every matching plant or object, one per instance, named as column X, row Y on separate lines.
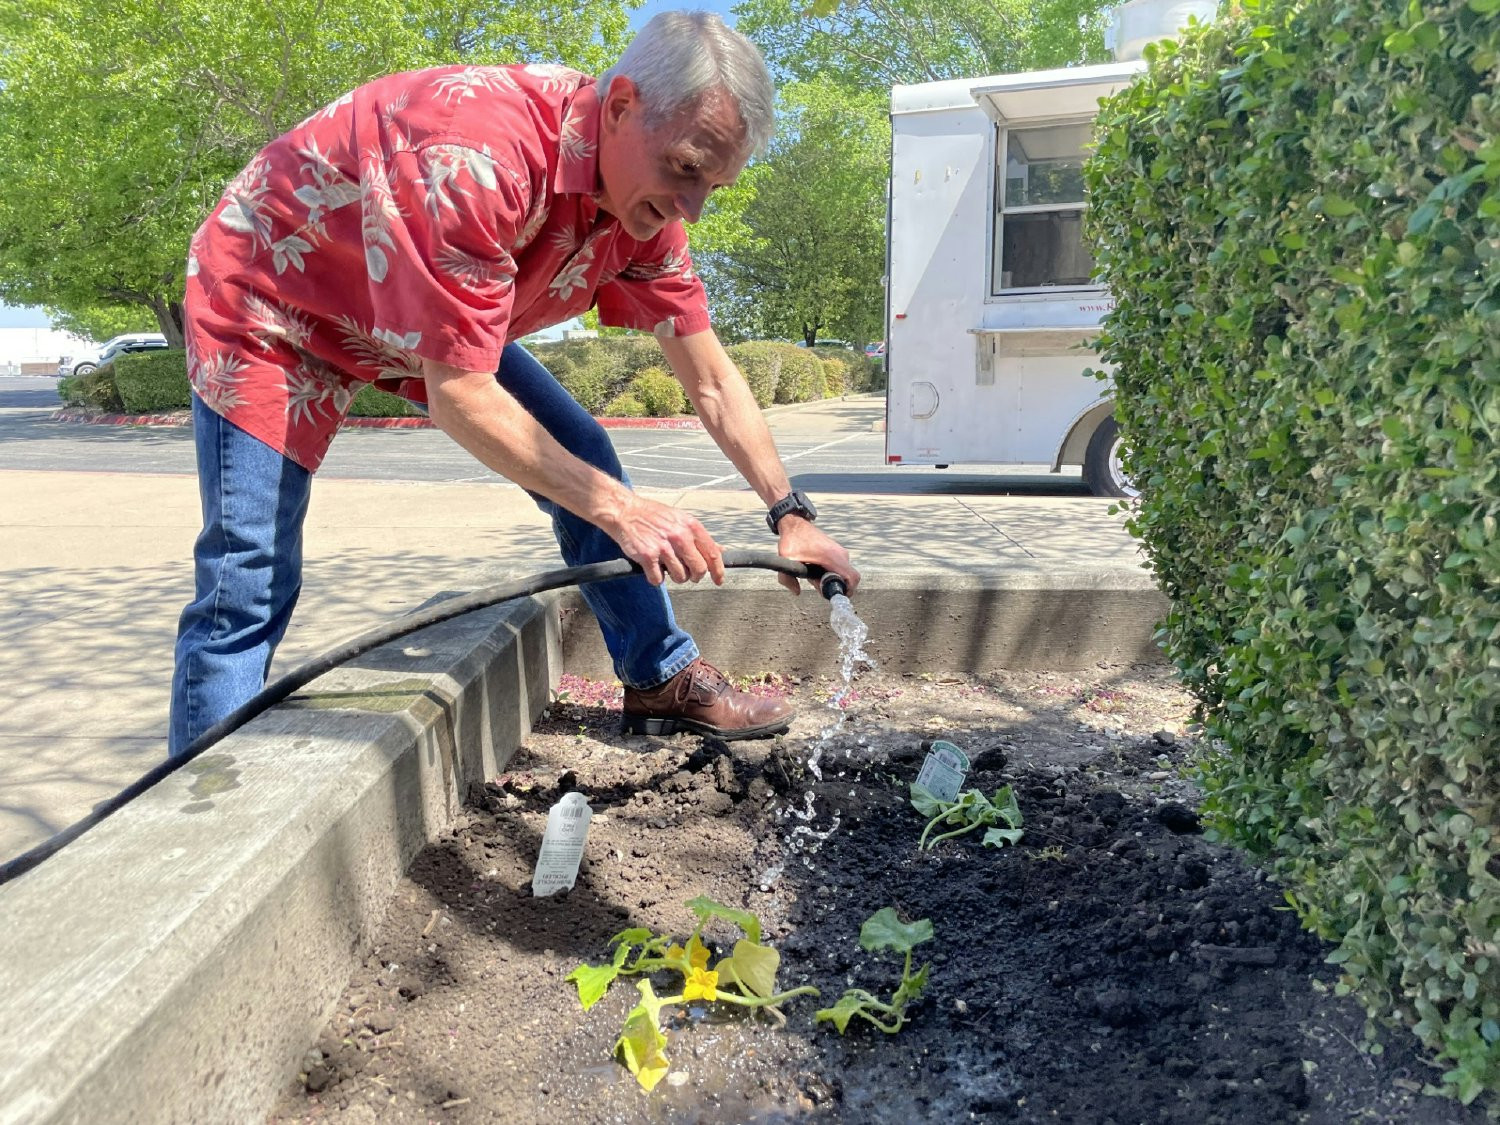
column 441, row 214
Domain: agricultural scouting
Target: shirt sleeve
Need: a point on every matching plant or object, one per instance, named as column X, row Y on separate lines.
column 438, row 224
column 658, row 291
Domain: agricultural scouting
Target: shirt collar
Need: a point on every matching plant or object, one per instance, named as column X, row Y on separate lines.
column 578, row 144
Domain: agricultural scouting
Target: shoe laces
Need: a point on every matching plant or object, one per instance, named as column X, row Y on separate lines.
column 702, row 674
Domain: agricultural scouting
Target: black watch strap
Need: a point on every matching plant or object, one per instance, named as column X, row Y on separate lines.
column 792, row 502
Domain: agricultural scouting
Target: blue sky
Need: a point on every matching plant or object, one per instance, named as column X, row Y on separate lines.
column 11, row 317
column 651, row 7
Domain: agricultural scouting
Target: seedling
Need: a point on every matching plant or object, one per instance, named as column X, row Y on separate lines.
column 884, row 930
column 747, row 978
column 970, row 810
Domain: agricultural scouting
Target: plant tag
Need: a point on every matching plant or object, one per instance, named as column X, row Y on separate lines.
column 562, row 845
column 944, row 770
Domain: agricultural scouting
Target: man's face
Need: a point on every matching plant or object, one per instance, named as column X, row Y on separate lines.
column 651, row 177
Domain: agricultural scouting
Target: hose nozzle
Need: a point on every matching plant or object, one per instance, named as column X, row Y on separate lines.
column 832, row 584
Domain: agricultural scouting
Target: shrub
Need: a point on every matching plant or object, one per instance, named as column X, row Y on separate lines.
column 372, row 402
column 152, row 381
column 659, row 393
column 1298, row 211
column 95, row 389
column 801, row 376
column 760, row 362
column 835, row 378
column 625, row 406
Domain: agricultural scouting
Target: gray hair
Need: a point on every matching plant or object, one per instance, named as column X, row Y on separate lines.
column 678, row 57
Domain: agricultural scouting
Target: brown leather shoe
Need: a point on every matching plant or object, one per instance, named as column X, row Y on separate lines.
column 701, row 700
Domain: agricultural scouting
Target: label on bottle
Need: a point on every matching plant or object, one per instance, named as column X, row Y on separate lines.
column 944, row 770
column 562, row 845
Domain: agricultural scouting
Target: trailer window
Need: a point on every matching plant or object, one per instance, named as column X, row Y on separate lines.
column 1039, row 224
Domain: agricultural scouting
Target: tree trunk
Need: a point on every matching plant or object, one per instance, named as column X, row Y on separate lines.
column 169, row 319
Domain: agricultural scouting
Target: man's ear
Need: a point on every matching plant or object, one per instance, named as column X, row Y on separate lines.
column 621, row 97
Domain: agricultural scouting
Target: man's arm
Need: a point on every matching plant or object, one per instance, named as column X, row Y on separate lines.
column 729, row 412
column 484, row 418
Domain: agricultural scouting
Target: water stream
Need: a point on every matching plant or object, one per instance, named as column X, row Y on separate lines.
column 852, row 634
column 803, row 839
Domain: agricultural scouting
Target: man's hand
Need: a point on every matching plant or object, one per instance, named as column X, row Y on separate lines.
column 801, row 540
column 666, row 539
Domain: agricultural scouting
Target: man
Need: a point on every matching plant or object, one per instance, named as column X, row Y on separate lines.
column 404, row 235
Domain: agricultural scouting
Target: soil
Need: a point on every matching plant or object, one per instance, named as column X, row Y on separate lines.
column 1114, row 966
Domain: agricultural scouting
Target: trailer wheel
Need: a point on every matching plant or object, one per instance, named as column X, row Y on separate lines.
column 1102, row 470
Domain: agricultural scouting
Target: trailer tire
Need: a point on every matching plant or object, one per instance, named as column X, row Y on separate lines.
column 1102, row 471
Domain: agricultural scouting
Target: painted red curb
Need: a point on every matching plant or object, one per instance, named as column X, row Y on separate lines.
column 182, row 418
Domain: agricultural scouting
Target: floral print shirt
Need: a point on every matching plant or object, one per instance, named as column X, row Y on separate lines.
column 435, row 214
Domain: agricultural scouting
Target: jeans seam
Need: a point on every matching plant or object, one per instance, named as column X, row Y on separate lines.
column 689, row 655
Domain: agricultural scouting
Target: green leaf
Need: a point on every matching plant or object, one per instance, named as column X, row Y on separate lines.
column 924, row 802
column 999, row 837
column 706, row 908
column 641, row 1041
column 848, row 1006
column 884, row 930
column 639, row 935
column 593, row 982
column 752, row 965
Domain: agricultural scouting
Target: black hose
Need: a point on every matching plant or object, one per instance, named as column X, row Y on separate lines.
column 275, row 692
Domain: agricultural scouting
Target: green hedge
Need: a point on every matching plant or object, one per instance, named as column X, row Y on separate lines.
column 659, row 392
column 1299, row 213
column 603, row 374
column 371, row 402
column 95, row 389
column 596, row 370
column 152, row 381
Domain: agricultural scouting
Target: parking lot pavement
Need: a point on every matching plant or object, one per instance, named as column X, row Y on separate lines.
column 829, row 446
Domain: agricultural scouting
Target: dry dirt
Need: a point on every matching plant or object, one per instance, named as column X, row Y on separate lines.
column 1114, row 966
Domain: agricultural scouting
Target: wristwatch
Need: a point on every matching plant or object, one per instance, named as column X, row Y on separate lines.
column 791, row 502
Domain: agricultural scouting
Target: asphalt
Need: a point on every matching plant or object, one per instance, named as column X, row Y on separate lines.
column 174, row 963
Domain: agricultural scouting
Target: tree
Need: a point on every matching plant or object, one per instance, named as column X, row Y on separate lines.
column 122, row 121
column 797, row 247
column 875, row 44
column 103, row 323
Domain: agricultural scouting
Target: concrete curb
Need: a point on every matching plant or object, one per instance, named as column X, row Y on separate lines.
column 184, row 418
column 919, row 621
column 175, row 962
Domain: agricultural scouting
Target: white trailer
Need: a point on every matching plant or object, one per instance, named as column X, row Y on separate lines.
column 990, row 305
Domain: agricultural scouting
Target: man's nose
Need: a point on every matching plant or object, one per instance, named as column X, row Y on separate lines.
column 690, row 203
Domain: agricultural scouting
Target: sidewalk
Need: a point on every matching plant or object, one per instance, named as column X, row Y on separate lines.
column 97, row 569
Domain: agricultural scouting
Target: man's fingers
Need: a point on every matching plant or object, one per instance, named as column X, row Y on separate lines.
column 712, row 555
column 792, row 584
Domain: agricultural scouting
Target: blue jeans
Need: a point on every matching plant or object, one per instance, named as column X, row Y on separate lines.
column 248, row 560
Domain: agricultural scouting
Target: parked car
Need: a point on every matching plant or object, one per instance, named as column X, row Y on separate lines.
column 85, row 362
column 875, row 350
column 113, row 350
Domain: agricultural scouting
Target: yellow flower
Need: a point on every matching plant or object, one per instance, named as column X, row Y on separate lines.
column 700, row 985
column 697, row 953
column 695, row 956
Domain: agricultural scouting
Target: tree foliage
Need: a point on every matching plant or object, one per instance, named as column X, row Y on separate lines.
column 797, row 248
column 875, row 44
column 121, row 121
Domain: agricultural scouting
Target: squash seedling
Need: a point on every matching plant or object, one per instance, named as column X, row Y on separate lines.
column 746, row 978
column 970, row 810
column 884, row 930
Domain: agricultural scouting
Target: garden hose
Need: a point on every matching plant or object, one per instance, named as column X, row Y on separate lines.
column 273, row 693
